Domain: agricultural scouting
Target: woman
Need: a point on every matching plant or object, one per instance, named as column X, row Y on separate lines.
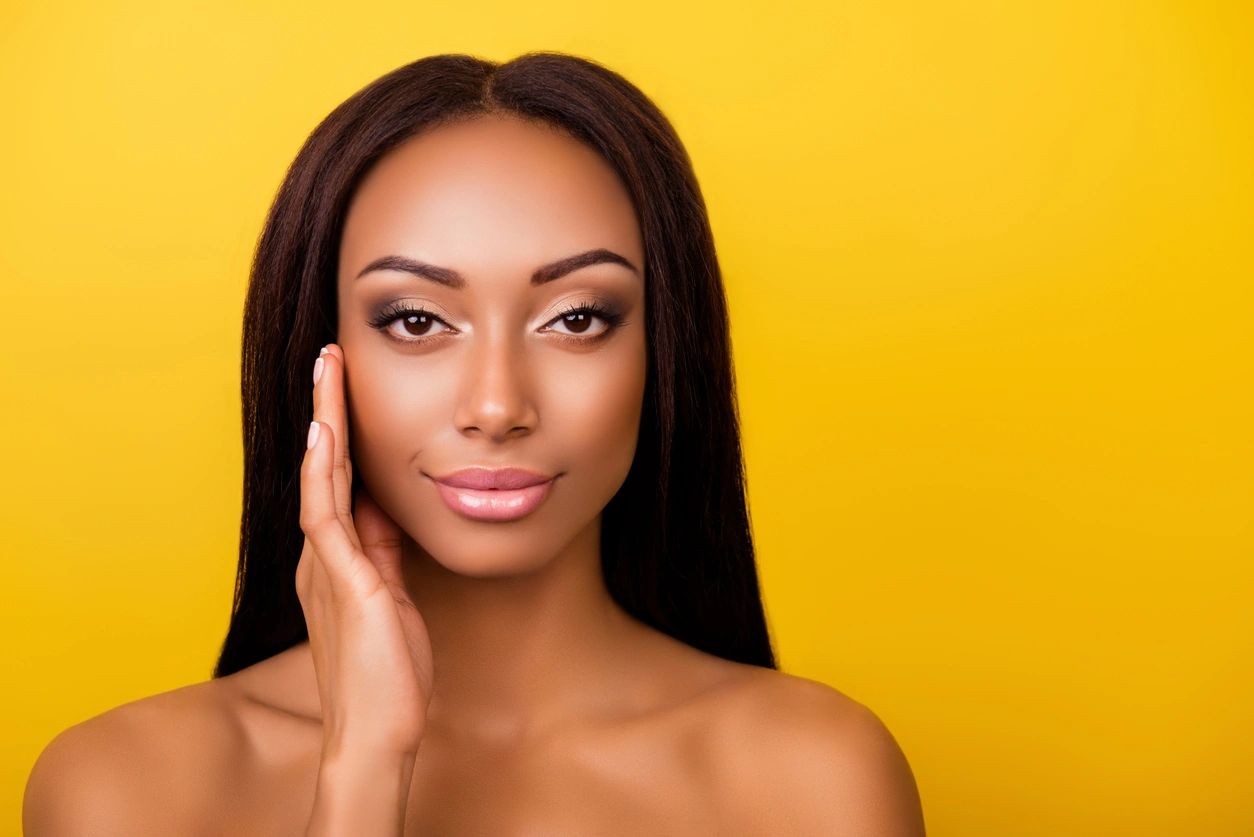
column 496, row 573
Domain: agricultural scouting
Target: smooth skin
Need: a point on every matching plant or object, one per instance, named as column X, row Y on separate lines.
column 369, row 645
column 472, row 677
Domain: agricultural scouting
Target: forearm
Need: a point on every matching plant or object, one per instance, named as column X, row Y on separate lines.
column 362, row 793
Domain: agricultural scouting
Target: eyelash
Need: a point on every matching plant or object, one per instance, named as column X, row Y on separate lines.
column 399, row 310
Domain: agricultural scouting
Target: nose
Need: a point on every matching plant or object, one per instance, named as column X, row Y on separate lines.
column 496, row 402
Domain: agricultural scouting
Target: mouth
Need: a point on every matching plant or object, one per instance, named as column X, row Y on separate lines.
column 493, row 478
column 493, row 495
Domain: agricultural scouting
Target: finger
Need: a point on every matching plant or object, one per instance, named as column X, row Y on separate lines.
column 340, row 421
column 380, row 538
column 320, row 520
column 329, row 410
column 337, row 414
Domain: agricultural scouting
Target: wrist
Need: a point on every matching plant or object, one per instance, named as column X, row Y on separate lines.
column 364, row 753
column 364, row 769
column 361, row 791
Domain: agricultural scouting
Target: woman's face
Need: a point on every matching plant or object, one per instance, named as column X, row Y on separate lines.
column 499, row 374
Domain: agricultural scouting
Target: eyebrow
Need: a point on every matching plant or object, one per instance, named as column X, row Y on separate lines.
column 451, row 278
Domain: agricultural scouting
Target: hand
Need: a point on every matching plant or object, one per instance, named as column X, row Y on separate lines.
column 371, row 651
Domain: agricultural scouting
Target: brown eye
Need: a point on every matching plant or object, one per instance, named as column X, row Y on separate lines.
column 418, row 324
column 577, row 322
column 415, row 323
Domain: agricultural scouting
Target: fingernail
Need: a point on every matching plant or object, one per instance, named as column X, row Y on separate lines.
column 313, row 434
column 317, row 369
column 323, row 352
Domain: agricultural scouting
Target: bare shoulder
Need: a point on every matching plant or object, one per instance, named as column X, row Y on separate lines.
column 796, row 756
column 145, row 767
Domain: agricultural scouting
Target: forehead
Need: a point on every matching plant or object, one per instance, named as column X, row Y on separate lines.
column 492, row 193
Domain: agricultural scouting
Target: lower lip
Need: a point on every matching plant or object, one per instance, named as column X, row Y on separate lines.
column 496, row 503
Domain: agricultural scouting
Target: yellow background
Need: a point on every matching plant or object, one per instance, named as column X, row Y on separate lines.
column 990, row 274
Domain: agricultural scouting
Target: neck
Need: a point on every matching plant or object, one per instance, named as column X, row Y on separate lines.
column 521, row 654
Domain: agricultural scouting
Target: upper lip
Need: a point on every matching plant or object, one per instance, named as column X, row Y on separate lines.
column 503, row 478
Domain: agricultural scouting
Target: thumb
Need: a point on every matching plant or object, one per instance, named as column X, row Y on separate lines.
column 380, row 538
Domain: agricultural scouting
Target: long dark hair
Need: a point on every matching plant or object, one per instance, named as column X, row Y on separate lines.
column 677, row 550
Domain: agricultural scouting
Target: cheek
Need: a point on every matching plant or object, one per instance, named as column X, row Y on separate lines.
column 593, row 411
column 401, row 413
column 394, row 409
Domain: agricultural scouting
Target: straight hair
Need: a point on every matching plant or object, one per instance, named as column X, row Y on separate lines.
column 677, row 549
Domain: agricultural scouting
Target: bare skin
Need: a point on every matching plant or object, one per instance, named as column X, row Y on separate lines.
column 553, row 710
column 733, row 750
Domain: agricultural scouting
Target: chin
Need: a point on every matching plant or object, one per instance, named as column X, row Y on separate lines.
column 488, row 563
column 492, row 550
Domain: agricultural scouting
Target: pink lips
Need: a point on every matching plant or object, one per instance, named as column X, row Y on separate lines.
column 487, row 494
